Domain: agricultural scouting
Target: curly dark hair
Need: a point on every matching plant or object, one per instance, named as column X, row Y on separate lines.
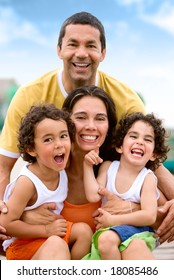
column 35, row 115
column 161, row 148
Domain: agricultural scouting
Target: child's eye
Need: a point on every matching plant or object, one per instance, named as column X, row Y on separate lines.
column 48, row 140
column 148, row 140
column 66, row 135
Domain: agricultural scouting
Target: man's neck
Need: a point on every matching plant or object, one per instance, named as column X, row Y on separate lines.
column 68, row 87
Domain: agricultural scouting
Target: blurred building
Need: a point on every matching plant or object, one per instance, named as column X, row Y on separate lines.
column 8, row 87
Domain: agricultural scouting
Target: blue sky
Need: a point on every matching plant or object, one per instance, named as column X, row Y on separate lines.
column 140, row 43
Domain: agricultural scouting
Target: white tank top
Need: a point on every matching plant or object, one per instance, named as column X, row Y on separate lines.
column 43, row 193
column 133, row 194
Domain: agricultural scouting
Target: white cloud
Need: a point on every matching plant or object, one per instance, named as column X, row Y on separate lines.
column 140, row 5
column 13, row 27
column 129, row 2
column 163, row 18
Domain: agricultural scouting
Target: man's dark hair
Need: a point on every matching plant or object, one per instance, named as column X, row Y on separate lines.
column 85, row 19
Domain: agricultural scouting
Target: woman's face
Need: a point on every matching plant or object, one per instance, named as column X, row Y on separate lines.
column 89, row 115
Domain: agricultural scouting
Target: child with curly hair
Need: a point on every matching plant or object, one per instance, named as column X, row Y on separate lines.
column 139, row 149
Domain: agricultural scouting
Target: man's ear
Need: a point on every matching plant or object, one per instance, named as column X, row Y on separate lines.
column 103, row 55
column 59, row 52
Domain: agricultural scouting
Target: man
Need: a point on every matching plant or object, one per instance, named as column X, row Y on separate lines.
column 81, row 46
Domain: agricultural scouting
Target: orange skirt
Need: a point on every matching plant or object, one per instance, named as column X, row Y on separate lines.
column 25, row 248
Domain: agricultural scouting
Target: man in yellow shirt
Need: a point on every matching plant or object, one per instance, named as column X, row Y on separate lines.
column 81, row 47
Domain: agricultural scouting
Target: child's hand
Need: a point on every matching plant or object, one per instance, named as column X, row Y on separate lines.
column 3, row 235
column 3, row 207
column 57, row 227
column 104, row 219
column 92, row 157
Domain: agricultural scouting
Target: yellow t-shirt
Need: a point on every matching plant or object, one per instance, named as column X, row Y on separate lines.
column 49, row 88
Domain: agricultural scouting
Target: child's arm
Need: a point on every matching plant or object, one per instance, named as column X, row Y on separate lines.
column 144, row 217
column 92, row 184
column 22, row 194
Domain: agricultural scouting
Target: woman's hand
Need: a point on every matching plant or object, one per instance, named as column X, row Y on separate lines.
column 42, row 215
column 115, row 205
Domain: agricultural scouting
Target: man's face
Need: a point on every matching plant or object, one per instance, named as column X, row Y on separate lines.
column 81, row 54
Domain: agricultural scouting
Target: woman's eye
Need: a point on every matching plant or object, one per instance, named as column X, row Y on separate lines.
column 80, row 118
column 101, row 119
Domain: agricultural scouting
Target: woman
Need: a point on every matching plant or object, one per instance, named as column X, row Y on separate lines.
column 93, row 113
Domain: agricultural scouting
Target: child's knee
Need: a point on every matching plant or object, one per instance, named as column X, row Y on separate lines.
column 81, row 231
column 107, row 240
column 83, row 227
column 53, row 242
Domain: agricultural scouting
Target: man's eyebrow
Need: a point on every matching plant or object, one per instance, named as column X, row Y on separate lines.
column 71, row 39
